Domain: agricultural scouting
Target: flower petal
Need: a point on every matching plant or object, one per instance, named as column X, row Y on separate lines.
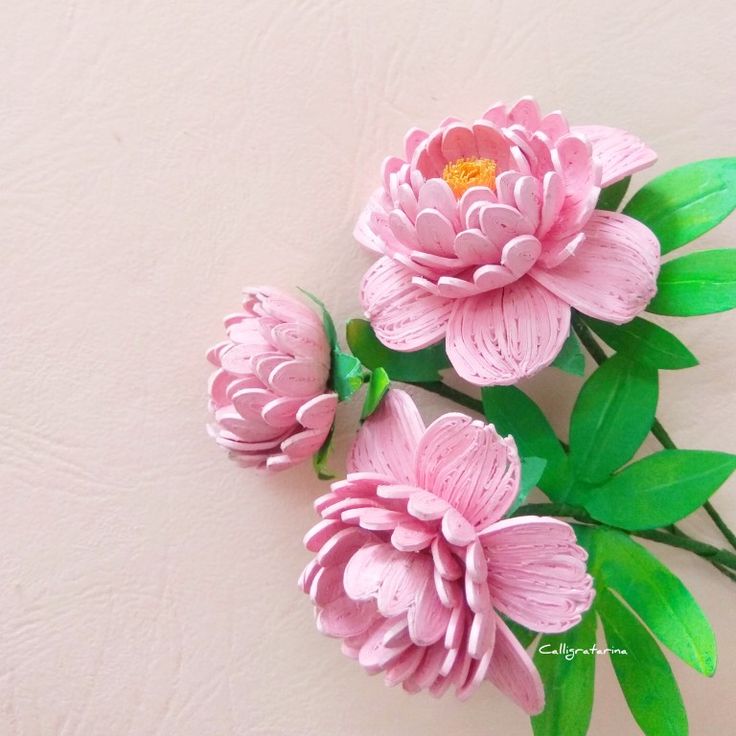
column 404, row 316
column 513, row 672
column 613, row 274
column 537, row 573
column 504, row 335
column 387, row 441
column 470, row 466
column 619, row 152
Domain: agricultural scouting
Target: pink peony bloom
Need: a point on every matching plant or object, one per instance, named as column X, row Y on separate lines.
column 414, row 562
column 268, row 395
column 489, row 234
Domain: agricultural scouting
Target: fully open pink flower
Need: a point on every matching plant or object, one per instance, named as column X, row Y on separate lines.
column 489, row 235
column 414, row 562
column 268, row 395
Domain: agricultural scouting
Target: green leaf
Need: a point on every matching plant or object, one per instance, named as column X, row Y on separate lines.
column 346, row 374
column 660, row 489
column 422, row 366
column 613, row 414
column 660, row 599
column 570, row 359
column 611, row 197
column 377, row 388
column 532, row 469
column 568, row 683
column 319, row 459
column 644, row 674
column 686, row 202
column 513, row 412
column 644, row 342
column 698, row 283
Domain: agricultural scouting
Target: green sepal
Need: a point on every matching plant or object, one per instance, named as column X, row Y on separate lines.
column 378, row 385
column 319, row 459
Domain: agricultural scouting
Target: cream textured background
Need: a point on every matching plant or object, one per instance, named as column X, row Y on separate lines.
column 154, row 157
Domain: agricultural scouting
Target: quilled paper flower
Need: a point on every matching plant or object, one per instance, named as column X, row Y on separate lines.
column 269, row 395
column 414, row 562
column 489, row 234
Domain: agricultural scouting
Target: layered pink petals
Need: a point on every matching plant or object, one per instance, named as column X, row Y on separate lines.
column 444, row 246
column 619, row 152
column 613, row 277
column 411, row 553
column 502, row 336
column 268, row 395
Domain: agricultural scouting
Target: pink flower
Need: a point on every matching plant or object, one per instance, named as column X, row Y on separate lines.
column 268, row 394
column 489, row 234
column 414, row 562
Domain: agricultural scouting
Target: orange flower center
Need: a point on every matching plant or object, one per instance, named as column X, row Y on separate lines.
column 470, row 172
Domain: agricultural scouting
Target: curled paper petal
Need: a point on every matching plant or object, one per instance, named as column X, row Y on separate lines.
column 410, row 556
column 269, row 396
column 475, row 209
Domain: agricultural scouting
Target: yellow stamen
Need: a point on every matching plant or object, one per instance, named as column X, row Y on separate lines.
column 470, row 172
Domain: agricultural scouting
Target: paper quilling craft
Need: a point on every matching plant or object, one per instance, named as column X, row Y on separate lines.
column 499, row 250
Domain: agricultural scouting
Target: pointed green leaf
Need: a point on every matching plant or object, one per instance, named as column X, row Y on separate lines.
column 659, row 598
column 644, row 342
column 698, row 283
column 532, row 469
column 513, row 412
column 686, row 202
column 377, row 388
column 319, row 459
column 568, row 683
column 660, row 489
column 611, row 197
column 644, row 674
column 422, row 366
column 570, row 359
column 612, row 415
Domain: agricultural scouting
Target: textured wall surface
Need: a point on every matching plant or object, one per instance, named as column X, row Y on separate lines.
column 156, row 156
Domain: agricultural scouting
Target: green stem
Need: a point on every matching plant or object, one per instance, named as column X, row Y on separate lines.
column 442, row 389
column 658, row 431
column 720, row 557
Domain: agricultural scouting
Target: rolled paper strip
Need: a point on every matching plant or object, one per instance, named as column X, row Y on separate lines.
column 269, row 399
column 488, row 235
column 414, row 564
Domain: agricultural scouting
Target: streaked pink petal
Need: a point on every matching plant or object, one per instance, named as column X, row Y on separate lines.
column 613, row 275
column 319, row 412
column 512, row 671
column 525, row 113
column 387, row 441
column 620, row 153
column 458, row 142
column 404, row 316
column 299, row 377
column 537, row 573
column 435, row 232
column 345, row 617
column 504, row 335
